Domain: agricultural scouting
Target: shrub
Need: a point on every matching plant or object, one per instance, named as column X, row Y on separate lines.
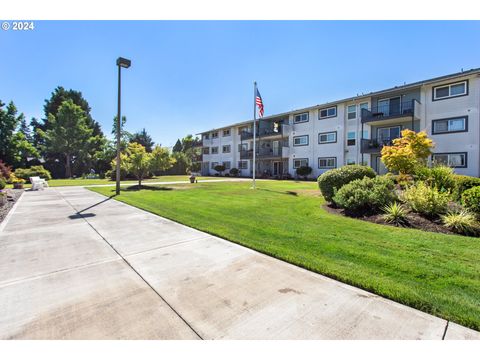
column 395, row 214
column 365, row 195
column 219, row 168
column 463, row 183
column 5, row 170
column 334, row 179
column 234, row 171
column 426, row 200
column 471, row 199
column 462, row 222
column 3, row 183
column 440, row 176
column 304, row 171
column 37, row 170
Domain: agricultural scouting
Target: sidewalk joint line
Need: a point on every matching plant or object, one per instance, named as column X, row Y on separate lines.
column 445, row 331
column 130, row 265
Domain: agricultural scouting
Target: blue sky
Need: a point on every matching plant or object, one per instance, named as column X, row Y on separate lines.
column 191, row 76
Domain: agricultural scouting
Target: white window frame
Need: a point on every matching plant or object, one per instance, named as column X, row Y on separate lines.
column 215, row 135
column 465, row 158
column 206, row 136
column 354, row 112
column 327, row 158
column 226, row 146
column 301, row 137
column 207, row 152
column 327, row 134
column 465, row 125
column 214, row 163
column 212, row 150
column 226, row 132
column 327, row 110
column 305, row 160
column 449, row 86
column 227, row 165
column 301, row 116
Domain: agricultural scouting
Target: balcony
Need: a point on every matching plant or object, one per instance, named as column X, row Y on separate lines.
column 267, row 153
column 375, row 145
column 407, row 109
column 282, row 131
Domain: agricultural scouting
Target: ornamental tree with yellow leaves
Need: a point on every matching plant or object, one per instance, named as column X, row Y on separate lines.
column 408, row 152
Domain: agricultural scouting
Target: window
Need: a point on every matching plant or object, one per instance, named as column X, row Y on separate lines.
column 206, row 136
column 351, row 112
column 299, row 163
column 226, row 149
column 206, row 150
column 215, row 135
column 450, row 125
column 242, row 147
column 215, row 150
column 214, row 164
column 351, row 136
column 450, row 90
column 226, row 164
column 327, row 112
column 456, row 160
column 242, row 164
column 327, row 162
column 226, row 132
column 364, row 106
column 363, row 135
column 300, row 140
column 328, row 137
column 351, row 162
column 299, row 118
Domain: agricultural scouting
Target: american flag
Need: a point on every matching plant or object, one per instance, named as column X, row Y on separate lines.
column 259, row 102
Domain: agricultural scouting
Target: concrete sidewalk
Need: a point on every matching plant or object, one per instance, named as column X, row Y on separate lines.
column 77, row 265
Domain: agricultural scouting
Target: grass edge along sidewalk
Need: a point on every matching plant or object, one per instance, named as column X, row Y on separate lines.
column 432, row 272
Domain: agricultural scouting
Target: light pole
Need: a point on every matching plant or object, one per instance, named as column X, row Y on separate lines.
column 125, row 63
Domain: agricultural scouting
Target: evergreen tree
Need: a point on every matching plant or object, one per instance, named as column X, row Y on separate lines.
column 69, row 134
column 143, row 139
column 177, row 147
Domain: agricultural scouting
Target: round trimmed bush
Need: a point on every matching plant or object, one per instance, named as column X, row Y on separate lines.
column 367, row 195
column 334, row 179
column 471, row 199
column 37, row 170
column 463, row 183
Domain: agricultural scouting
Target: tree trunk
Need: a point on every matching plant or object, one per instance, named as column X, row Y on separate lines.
column 68, row 168
column 139, row 182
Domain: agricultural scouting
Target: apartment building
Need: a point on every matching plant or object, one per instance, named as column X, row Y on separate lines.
column 354, row 130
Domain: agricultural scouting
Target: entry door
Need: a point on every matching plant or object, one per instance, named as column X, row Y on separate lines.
column 277, row 168
column 389, row 106
column 276, row 147
column 381, row 169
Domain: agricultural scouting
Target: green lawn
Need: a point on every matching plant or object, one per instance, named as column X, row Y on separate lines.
column 436, row 273
column 86, row 182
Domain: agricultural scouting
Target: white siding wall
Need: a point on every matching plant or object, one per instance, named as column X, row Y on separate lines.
column 430, row 110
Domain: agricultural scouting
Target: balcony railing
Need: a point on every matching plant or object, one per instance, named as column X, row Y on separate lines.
column 375, row 145
column 282, row 130
column 381, row 112
column 265, row 153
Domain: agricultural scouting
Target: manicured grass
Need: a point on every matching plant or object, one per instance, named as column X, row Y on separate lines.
column 432, row 272
column 87, row 182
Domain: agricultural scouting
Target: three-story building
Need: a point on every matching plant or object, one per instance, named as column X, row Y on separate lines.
column 354, row 130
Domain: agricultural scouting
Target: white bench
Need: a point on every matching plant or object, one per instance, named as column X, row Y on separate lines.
column 38, row 183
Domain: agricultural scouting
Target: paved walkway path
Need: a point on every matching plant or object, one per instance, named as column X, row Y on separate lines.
column 76, row 265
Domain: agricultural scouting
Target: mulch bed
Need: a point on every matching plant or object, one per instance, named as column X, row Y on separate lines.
column 13, row 195
column 415, row 220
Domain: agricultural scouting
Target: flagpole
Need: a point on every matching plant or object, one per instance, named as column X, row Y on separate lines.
column 254, row 129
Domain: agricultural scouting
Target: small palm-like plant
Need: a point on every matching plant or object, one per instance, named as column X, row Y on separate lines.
column 462, row 222
column 395, row 214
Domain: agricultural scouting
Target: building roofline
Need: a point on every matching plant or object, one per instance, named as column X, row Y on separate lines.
column 373, row 93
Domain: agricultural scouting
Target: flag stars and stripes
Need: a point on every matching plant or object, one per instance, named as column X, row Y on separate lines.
column 259, row 102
